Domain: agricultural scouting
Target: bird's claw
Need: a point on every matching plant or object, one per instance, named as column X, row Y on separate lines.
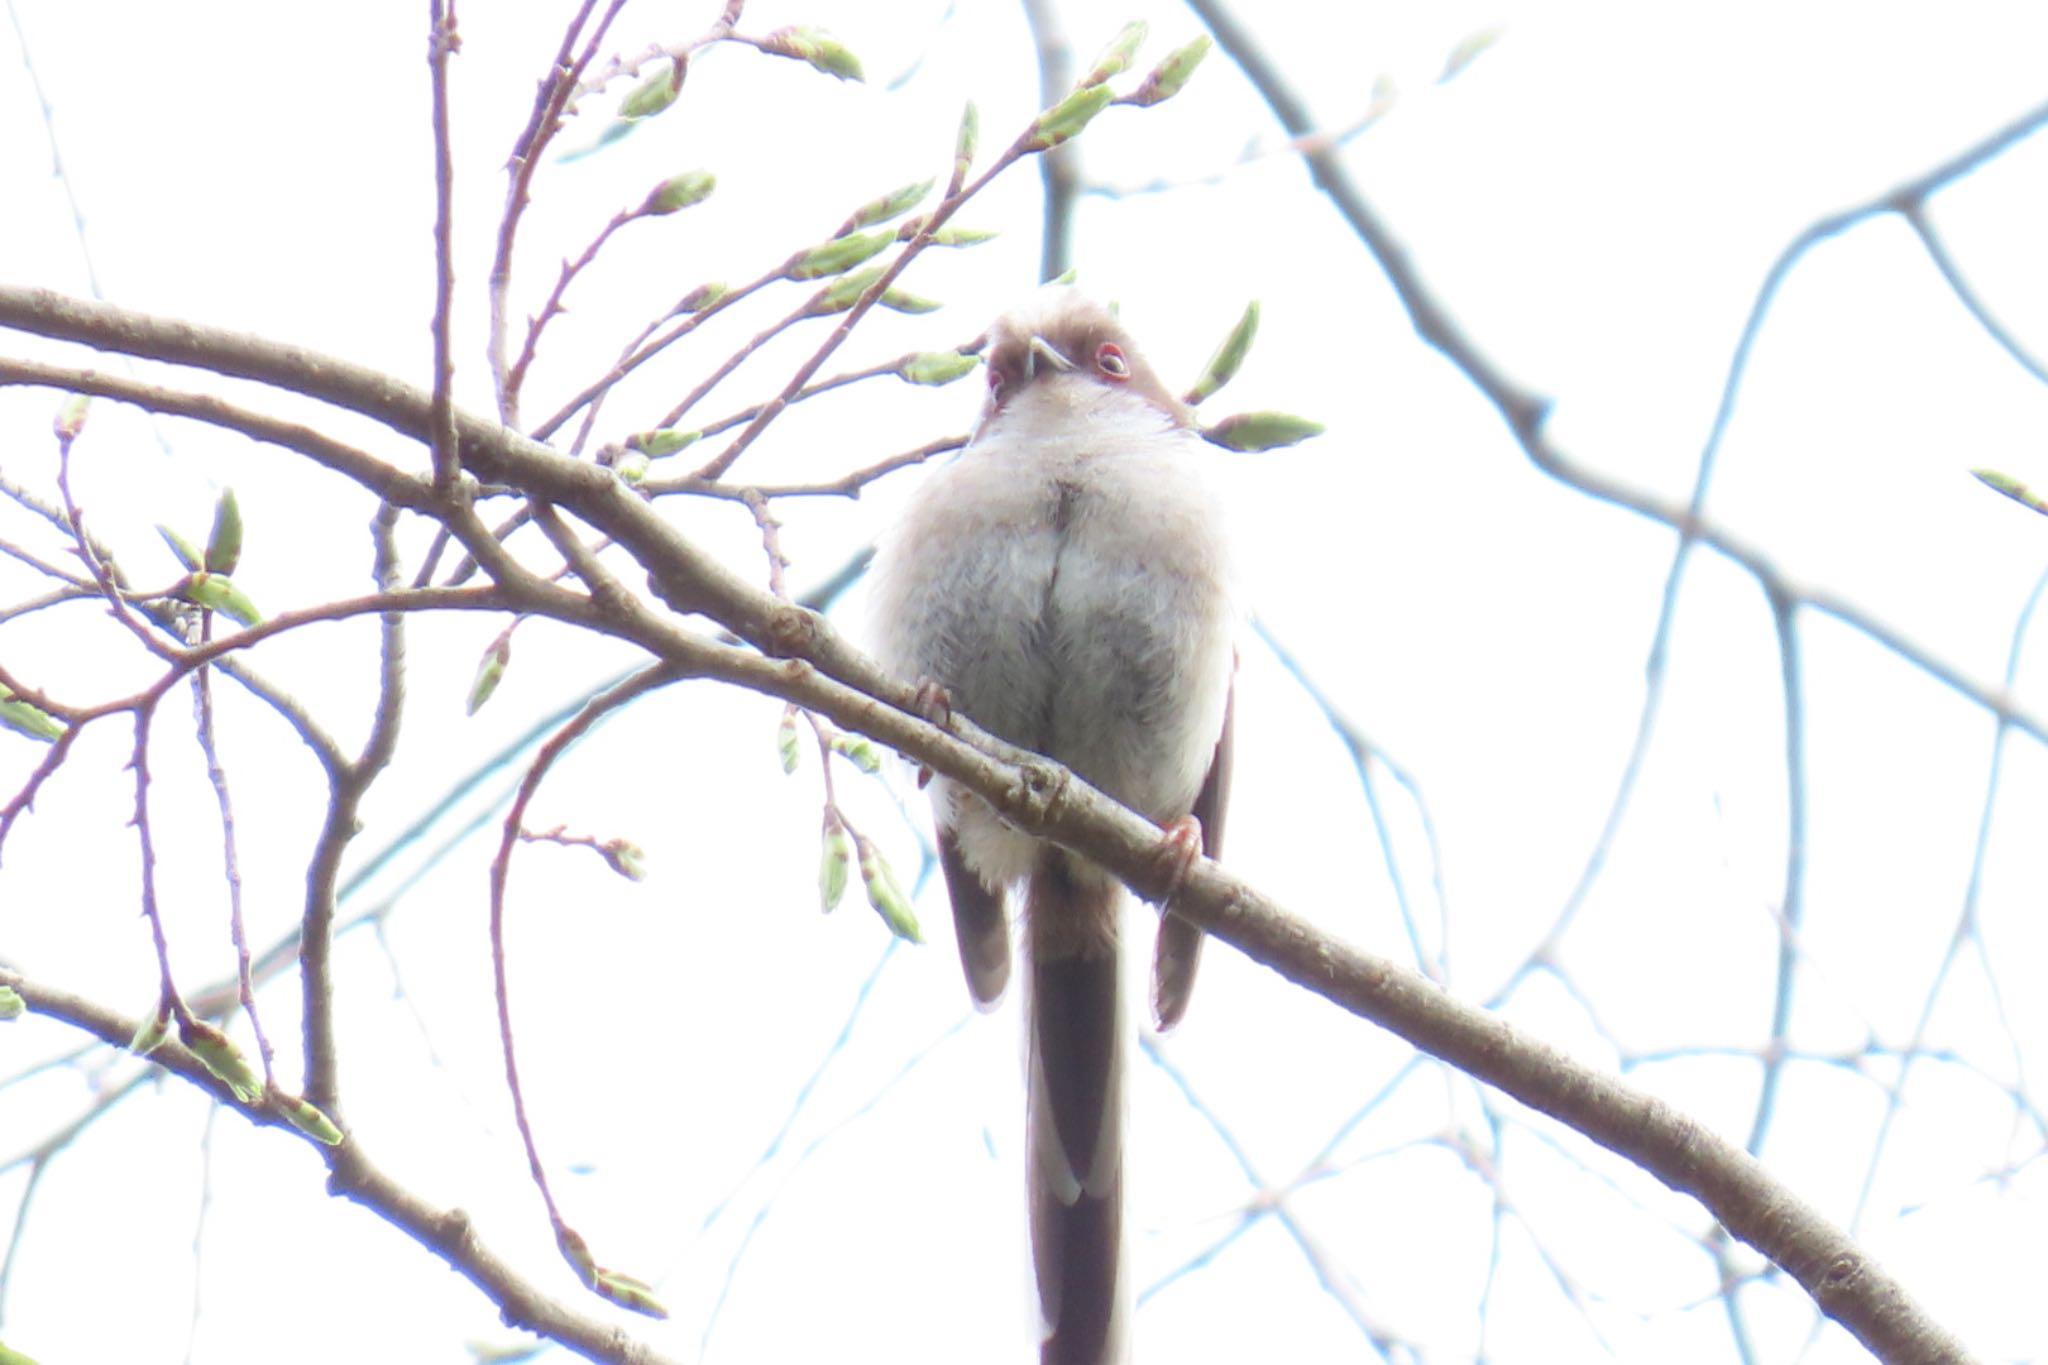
column 1180, row 845
column 933, row 703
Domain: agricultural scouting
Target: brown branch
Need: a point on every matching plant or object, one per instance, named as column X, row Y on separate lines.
column 324, row 450
column 212, row 652
column 206, row 724
column 96, row 559
column 24, row 800
column 443, row 41
column 566, row 84
column 741, row 354
column 848, row 485
column 138, row 763
column 957, row 195
column 837, row 381
column 446, row 1232
column 641, row 349
column 549, row 103
column 347, row 786
column 500, row 875
column 553, row 307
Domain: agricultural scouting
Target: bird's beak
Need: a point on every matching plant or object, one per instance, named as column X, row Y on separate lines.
column 1041, row 349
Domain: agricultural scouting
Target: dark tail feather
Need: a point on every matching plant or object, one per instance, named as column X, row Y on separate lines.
column 1076, row 1117
column 980, row 925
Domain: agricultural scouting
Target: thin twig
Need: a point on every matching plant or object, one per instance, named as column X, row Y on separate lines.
column 231, row 871
column 549, row 102
column 443, row 41
column 500, row 874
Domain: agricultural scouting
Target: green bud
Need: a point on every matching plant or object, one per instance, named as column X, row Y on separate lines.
column 224, row 545
column 631, row 468
column 217, row 592
column 1468, row 49
column 617, row 1286
column 71, row 417
column 307, row 1118
column 816, row 46
column 1068, row 117
column 490, row 671
column 627, row 1292
column 1165, row 80
column 151, row 1032
column 701, row 298
column 860, row 751
column 903, row 301
column 625, row 858
column 842, row 292
column 1223, row 365
column 679, row 192
column 834, row 863
column 26, row 719
column 12, row 1006
column 2012, row 488
column 221, row 1057
column 654, row 94
column 786, row 743
column 837, row 256
column 665, row 441
column 1117, row 56
column 936, row 367
column 1256, row 431
column 886, row 896
column 962, row 236
column 187, row 554
column 965, row 141
column 884, row 207
column 576, row 1252
column 11, row 1357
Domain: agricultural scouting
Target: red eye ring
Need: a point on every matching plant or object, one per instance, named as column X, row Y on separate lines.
column 1110, row 362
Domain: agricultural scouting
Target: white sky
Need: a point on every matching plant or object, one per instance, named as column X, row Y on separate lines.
column 1596, row 200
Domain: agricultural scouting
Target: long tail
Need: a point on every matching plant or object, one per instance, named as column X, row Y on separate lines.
column 1076, row 1115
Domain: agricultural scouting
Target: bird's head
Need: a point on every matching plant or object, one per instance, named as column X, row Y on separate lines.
column 1071, row 350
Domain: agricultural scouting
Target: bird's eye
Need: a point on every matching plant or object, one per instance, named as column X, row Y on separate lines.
column 1109, row 360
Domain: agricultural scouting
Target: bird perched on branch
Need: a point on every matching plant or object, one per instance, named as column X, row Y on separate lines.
column 1066, row 585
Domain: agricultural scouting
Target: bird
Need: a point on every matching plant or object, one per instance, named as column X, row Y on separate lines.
column 1066, row 584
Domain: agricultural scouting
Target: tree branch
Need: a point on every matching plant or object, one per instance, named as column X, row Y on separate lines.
column 810, row 665
column 447, row 1233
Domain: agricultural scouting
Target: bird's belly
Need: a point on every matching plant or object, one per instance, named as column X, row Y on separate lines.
column 1113, row 662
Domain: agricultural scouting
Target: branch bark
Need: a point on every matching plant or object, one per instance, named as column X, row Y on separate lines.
column 446, row 1232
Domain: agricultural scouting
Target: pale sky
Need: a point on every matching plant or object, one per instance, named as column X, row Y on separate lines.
column 1596, row 200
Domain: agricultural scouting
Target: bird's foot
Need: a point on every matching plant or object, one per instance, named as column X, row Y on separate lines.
column 933, row 703
column 1180, row 844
